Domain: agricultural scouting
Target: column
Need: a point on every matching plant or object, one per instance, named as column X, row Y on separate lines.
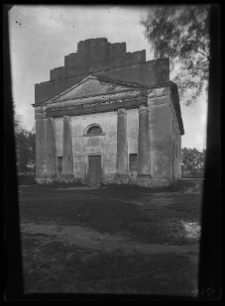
column 122, row 147
column 41, row 144
column 67, row 163
column 144, row 162
column 51, row 148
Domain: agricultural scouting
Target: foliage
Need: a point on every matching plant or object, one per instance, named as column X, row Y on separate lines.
column 193, row 160
column 25, row 149
column 181, row 33
column 25, row 144
column 16, row 118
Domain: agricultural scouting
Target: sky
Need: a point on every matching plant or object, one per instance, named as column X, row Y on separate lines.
column 40, row 37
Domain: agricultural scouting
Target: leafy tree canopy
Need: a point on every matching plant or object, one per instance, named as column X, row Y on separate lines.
column 25, row 144
column 25, row 149
column 181, row 33
column 192, row 159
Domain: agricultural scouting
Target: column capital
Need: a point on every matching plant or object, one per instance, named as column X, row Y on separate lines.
column 66, row 117
column 143, row 108
column 51, row 119
column 40, row 112
column 121, row 111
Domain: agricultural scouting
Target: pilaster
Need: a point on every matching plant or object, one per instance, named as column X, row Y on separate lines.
column 67, row 164
column 144, row 163
column 41, row 143
column 122, row 148
column 51, row 148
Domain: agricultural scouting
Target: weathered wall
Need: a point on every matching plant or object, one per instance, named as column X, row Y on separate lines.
column 95, row 54
column 41, row 142
column 49, row 89
column 165, row 134
column 59, row 136
column 164, row 140
column 67, row 162
column 147, row 73
column 98, row 56
column 51, row 148
column 105, row 145
column 160, row 123
column 109, row 62
column 132, row 134
column 176, row 149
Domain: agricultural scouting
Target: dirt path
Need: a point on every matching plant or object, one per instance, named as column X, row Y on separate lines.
column 87, row 238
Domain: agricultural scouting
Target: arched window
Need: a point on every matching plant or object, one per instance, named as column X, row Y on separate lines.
column 94, row 130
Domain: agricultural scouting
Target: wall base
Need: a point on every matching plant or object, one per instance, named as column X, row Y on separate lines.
column 161, row 182
column 144, row 180
column 121, row 179
column 141, row 180
column 57, row 179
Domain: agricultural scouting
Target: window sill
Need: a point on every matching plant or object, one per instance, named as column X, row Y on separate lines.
column 85, row 135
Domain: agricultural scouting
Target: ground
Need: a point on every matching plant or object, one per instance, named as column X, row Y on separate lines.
column 112, row 239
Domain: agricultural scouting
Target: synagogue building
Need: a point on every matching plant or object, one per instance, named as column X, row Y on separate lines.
column 108, row 116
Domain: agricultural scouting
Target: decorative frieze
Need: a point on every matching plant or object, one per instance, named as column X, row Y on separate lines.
column 89, row 108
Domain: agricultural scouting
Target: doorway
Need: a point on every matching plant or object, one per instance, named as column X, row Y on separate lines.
column 94, row 170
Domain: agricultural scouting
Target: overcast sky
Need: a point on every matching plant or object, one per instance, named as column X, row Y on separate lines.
column 40, row 37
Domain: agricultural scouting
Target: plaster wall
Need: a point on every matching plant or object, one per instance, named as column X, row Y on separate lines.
column 175, row 152
column 160, row 124
column 59, row 136
column 41, row 147
column 132, row 134
column 104, row 145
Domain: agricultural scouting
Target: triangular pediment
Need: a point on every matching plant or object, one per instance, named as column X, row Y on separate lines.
column 91, row 86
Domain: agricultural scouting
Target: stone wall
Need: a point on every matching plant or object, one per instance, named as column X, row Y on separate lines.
column 97, row 56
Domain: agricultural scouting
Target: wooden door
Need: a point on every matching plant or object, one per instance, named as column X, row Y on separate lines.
column 94, row 170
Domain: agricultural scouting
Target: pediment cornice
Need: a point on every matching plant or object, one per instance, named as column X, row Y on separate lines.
column 94, row 86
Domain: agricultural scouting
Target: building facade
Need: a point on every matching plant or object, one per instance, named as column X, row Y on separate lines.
column 108, row 116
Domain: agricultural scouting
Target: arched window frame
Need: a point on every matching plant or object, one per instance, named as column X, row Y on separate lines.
column 93, row 135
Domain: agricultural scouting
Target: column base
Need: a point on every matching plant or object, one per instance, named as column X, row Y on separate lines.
column 144, row 180
column 121, row 179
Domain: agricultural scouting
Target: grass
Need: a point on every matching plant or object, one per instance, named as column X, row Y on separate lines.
column 114, row 272
column 139, row 214
column 113, row 210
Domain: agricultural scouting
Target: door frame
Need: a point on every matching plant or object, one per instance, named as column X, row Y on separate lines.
column 87, row 164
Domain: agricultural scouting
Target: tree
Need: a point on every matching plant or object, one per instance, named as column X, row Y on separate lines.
column 25, row 149
column 181, row 33
column 16, row 119
column 25, row 144
column 193, row 160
